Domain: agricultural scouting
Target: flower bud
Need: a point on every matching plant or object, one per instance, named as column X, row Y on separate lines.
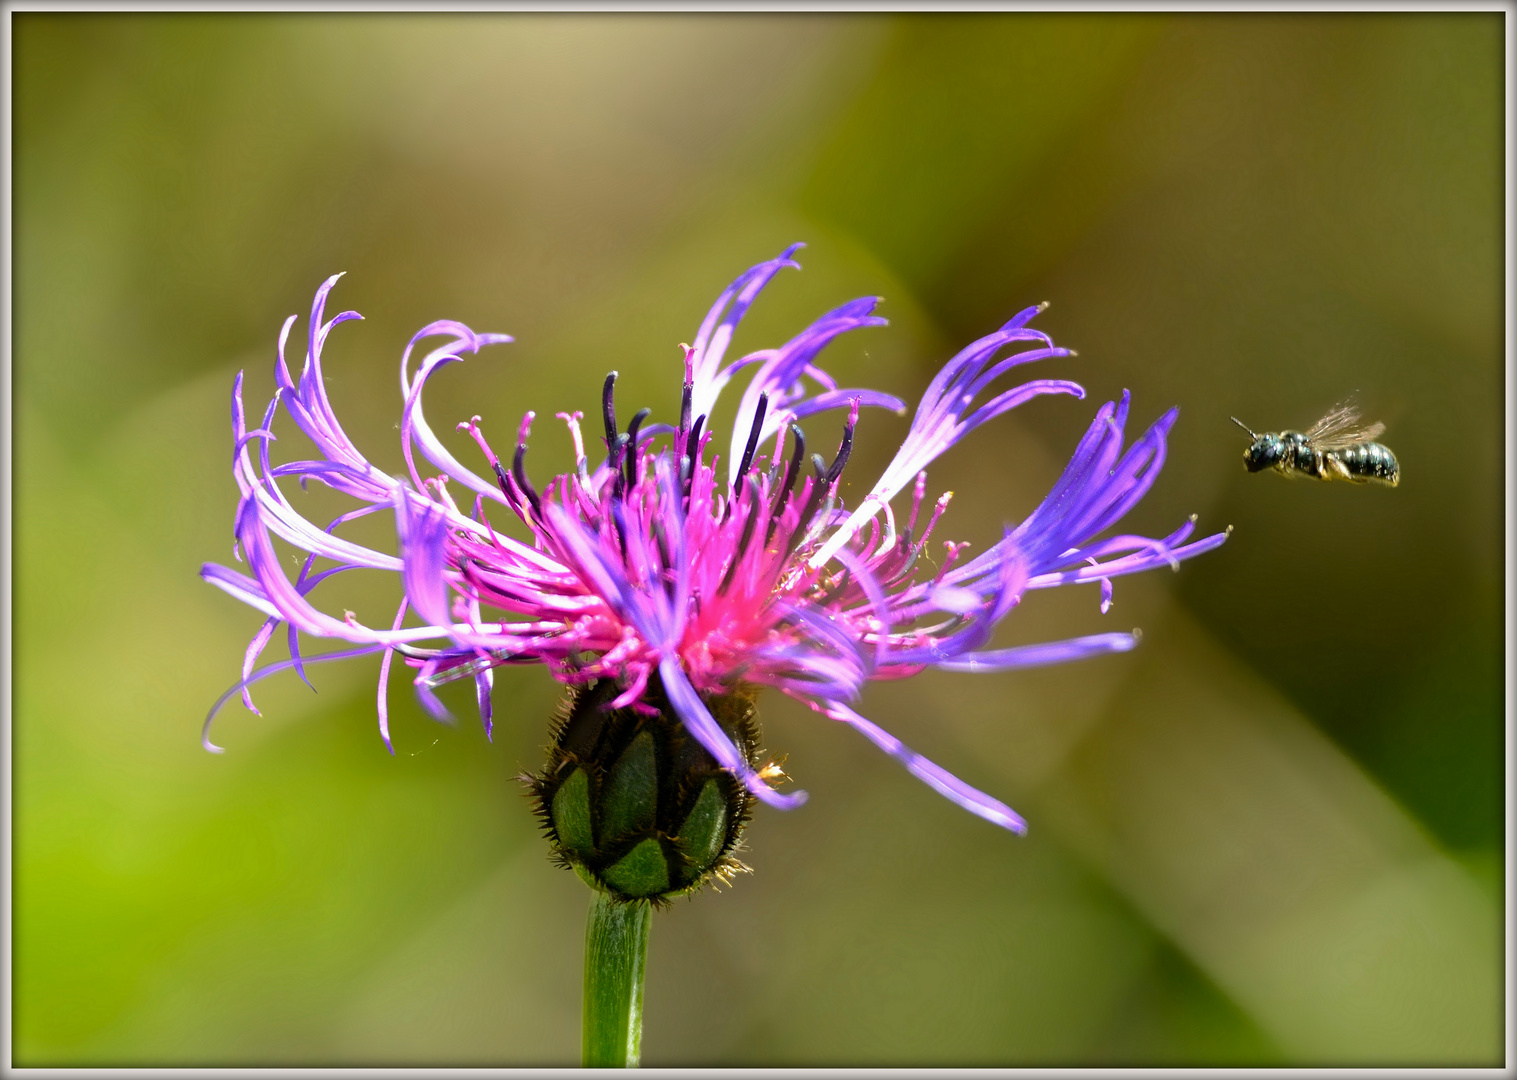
column 633, row 803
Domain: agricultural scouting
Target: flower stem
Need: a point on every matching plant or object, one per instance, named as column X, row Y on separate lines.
column 616, row 951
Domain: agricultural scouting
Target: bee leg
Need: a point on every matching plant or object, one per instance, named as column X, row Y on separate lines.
column 1335, row 469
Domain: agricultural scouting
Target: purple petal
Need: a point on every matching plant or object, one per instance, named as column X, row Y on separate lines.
column 1010, row 399
column 881, row 607
column 239, row 586
column 941, row 420
column 263, row 673
column 484, row 684
column 423, row 532
column 1052, row 652
column 955, row 600
column 836, row 399
column 1129, row 564
column 934, row 776
column 250, row 657
column 296, row 658
column 384, row 681
column 699, row 722
column 1011, row 582
column 415, row 429
column 784, row 366
column 716, row 331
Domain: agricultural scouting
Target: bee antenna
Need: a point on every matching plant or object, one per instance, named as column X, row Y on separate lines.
column 1244, row 426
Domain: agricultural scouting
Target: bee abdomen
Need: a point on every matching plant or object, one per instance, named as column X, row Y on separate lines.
column 1368, row 463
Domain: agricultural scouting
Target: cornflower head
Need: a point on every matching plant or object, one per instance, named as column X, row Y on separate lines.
column 665, row 586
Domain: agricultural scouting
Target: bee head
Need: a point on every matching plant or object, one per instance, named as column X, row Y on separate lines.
column 1265, row 452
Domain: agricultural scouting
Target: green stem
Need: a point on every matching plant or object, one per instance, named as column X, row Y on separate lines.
column 616, row 952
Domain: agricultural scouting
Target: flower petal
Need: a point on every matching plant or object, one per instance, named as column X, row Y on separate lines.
column 1051, row 652
column 699, row 722
column 934, row 776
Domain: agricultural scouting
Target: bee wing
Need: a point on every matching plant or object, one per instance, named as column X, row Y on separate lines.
column 1342, row 428
column 1340, row 418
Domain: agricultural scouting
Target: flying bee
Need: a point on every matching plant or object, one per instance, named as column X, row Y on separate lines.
column 1338, row 447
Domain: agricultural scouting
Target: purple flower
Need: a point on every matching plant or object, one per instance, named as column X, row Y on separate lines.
column 653, row 565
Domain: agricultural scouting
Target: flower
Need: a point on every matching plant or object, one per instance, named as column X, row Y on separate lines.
column 677, row 579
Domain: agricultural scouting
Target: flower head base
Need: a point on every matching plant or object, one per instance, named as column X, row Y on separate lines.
column 636, row 806
column 665, row 581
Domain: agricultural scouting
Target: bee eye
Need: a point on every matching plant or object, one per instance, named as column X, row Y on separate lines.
column 1262, row 454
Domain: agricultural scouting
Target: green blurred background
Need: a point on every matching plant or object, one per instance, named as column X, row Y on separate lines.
column 1271, row 835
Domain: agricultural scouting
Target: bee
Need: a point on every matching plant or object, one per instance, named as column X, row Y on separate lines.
column 1338, row 447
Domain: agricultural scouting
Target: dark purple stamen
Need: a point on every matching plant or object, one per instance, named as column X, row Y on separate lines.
column 500, row 476
column 689, row 460
column 520, row 473
column 905, row 571
column 684, row 407
column 747, row 535
column 842, row 459
column 667, row 560
column 747, row 459
column 825, row 478
column 753, row 436
column 415, row 653
column 608, row 413
column 792, row 472
column 619, row 524
column 818, row 490
column 618, row 478
column 632, row 455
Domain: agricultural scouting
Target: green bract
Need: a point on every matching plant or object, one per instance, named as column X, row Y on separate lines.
column 633, row 803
